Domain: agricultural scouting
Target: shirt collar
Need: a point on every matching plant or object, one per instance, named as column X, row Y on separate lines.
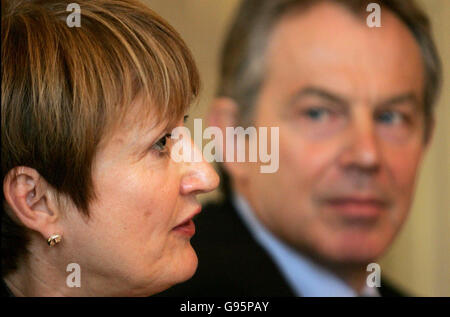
column 305, row 277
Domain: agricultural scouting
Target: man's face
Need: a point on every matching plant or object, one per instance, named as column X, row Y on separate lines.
column 348, row 102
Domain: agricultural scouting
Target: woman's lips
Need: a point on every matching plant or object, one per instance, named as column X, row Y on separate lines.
column 186, row 228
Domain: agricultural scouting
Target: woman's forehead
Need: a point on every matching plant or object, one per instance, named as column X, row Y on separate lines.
column 141, row 119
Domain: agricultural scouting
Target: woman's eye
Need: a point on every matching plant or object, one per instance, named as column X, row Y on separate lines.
column 161, row 144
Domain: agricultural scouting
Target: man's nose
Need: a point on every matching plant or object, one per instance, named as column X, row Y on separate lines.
column 361, row 145
column 199, row 177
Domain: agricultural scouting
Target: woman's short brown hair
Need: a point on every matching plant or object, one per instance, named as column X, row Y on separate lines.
column 64, row 87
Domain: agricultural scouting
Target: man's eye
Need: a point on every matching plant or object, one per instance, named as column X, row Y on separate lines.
column 390, row 117
column 160, row 145
column 316, row 114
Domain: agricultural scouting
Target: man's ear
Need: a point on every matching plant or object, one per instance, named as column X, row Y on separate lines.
column 224, row 112
column 430, row 133
column 31, row 201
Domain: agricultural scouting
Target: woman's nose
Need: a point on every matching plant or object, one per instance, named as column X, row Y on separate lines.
column 199, row 176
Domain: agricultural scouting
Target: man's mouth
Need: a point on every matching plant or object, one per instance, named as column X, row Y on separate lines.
column 354, row 207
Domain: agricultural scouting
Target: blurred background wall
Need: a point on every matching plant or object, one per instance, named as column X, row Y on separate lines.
column 419, row 260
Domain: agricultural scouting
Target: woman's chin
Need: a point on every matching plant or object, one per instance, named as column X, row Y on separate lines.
column 187, row 265
column 182, row 269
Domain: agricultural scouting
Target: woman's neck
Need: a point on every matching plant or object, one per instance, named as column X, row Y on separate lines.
column 30, row 283
column 36, row 276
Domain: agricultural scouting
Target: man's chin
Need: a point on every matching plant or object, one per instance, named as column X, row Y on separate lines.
column 356, row 252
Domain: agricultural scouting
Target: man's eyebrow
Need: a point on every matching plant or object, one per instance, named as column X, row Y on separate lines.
column 405, row 98
column 313, row 91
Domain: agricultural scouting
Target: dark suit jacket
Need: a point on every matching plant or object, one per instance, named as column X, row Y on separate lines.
column 231, row 262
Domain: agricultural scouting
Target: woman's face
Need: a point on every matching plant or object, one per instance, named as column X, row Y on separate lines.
column 133, row 244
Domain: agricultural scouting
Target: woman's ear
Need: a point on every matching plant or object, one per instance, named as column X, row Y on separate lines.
column 31, row 201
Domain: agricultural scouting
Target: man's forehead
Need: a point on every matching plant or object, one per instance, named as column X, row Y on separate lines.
column 329, row 24
column 329, row 45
